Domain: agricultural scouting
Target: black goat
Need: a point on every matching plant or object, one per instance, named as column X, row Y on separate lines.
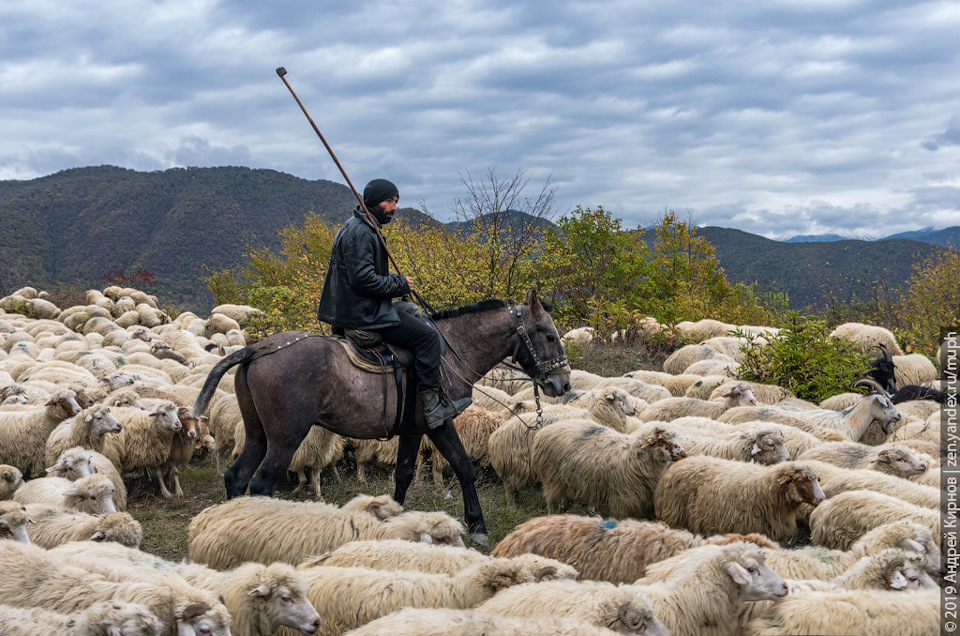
column 907, row 393
column 882, row 370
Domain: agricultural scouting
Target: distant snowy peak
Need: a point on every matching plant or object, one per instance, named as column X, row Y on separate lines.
column 947, row 236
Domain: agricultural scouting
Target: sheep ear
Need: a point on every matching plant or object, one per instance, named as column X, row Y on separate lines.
column 738, row 573
column 261, row 590
column 49, row 470
column 88, row 418
column 881, row 457
column 754, row 450
column 425, row 538
column 73, row 492
column 195, row 609
column 98, row 536
column 898, row 581
column 114, row 631
column 105, row 380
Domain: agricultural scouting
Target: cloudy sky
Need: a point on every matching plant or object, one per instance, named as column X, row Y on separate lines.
column 778, row 118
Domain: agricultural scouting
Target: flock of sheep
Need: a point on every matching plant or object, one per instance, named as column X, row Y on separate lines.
column 734, row 508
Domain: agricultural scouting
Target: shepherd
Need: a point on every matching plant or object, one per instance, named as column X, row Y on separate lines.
column 358, row 294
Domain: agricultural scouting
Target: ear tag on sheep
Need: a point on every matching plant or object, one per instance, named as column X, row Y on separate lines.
column 738, row 573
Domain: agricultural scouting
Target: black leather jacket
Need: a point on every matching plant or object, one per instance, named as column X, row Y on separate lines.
column 358, row 287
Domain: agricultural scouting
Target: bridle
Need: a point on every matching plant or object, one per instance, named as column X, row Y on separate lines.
column 544, row 367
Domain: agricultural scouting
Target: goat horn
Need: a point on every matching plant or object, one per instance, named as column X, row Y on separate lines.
column 886, row 352
column 873, row 384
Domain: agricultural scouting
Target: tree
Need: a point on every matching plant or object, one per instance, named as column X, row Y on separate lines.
column 594, row 271
column 930, row 301
column 507, row 224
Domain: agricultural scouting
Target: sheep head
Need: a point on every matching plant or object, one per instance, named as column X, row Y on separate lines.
column 900, row 460
column 746, row 565
column 800, row 484
column 769, row 447
column 664, row 441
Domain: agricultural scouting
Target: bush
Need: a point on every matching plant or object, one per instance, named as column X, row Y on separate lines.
column 805, row 359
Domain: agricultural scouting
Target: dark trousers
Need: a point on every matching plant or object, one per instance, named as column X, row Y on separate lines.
column 423, row 341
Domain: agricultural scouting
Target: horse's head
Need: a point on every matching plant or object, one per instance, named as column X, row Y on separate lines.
column 540, row 352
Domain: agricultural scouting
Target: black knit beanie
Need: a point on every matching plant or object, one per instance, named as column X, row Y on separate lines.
column 378, row 190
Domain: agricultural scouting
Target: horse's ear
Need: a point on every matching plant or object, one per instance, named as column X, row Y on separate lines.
column 531, row 301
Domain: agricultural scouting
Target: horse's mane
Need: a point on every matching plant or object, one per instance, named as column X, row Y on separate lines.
column 483, row 305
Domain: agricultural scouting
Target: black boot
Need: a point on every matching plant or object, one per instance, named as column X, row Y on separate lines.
column 437, row 407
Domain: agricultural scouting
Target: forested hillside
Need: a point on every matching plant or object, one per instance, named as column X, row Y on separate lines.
column 78, row 225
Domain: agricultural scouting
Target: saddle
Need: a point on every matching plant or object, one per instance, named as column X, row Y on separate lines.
column 373, row 355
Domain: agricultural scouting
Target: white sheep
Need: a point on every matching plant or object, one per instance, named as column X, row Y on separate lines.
column 835, row 480
column 92, row 494
column 13, row 522
column 581, row 336
column 891, row 459
column 260, row 598
column 593, row 464
column 443, row 622
column 23, row 434
column 240, row 313
column 874, row 612
column 702, row 590
column 817, row 562
column 678, row 361
column 866, row 337
column 721, row 365
column 847, row 516
column 219, row 323
column 624, row 609
column 351, row 597
column 86, row 429
column 666, row 410
column 265, row 530
column 34, row 578
column 676, row 384
column 704, row 329
column 606, row 550
column 393, row 554
column 106, row 618
column 709, row 495
column 764, row 393
column 73, row 464
column 144, row 442
column 761, row 442
column 11, row 478
column 53, row 525
column 914, row 369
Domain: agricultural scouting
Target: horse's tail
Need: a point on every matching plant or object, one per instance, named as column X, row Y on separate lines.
column 202, row 402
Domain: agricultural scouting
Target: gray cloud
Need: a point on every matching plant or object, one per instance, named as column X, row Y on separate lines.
column 777, row 118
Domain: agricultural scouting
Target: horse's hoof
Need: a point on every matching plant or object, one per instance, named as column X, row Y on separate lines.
column 481, row 539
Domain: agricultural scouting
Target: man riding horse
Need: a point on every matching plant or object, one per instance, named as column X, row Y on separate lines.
column 358, row 294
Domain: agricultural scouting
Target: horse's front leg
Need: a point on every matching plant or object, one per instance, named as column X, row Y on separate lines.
column 447, row 441
column 408, row 448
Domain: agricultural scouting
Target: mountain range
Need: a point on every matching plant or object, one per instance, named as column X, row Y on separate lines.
column 77, row 226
